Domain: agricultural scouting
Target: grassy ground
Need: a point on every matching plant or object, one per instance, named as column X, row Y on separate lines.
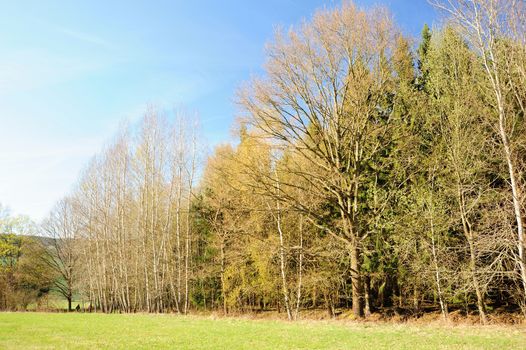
column 99, row 331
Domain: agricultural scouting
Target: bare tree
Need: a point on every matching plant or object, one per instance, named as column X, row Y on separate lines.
column 62, row 253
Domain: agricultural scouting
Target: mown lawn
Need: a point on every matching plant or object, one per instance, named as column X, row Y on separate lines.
column 98, row 331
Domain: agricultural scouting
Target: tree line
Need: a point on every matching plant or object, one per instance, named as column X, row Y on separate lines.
column 370, row 174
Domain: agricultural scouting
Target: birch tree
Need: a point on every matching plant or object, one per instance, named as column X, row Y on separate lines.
column 488, row 25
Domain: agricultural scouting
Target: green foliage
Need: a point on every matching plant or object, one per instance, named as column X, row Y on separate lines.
column 24, row 276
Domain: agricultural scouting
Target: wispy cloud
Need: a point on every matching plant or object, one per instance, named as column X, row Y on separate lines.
column 85, row 37
column 34, row 68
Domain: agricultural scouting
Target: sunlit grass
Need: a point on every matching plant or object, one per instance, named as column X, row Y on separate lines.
column 141, row 331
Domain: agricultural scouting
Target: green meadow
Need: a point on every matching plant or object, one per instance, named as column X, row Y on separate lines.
column 141, row 331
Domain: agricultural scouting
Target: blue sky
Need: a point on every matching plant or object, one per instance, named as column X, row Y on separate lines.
column 72, row 71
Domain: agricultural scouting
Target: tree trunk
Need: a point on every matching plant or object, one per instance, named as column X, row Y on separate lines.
column 367, row 290
column 357, row 308
column 443, row 304
column 223, row 289
column 300, row 272
column 516, row 202
column 285, row 289
column 492, row 70
column 480, row 297
column 416, row 301
column 466, row 225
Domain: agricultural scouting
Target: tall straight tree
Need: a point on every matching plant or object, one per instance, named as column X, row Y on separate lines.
column 465, row 149
column 496, row 29
column 134, row 227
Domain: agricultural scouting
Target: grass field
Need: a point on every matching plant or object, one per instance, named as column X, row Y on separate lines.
column 99, row 331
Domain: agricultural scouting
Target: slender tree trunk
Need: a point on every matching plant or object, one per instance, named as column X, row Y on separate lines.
column 300, row 272
column 472, row 256
column 492, row 70
column 178, row 240
column 480, row 297
column 443, row 303
column 191, row 173
column 187, row 249
column 284, row 287
column 516, row 200
column 223, row 288
column 367, row 291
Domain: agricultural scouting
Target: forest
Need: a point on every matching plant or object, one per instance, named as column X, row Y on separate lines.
column 373, row 173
